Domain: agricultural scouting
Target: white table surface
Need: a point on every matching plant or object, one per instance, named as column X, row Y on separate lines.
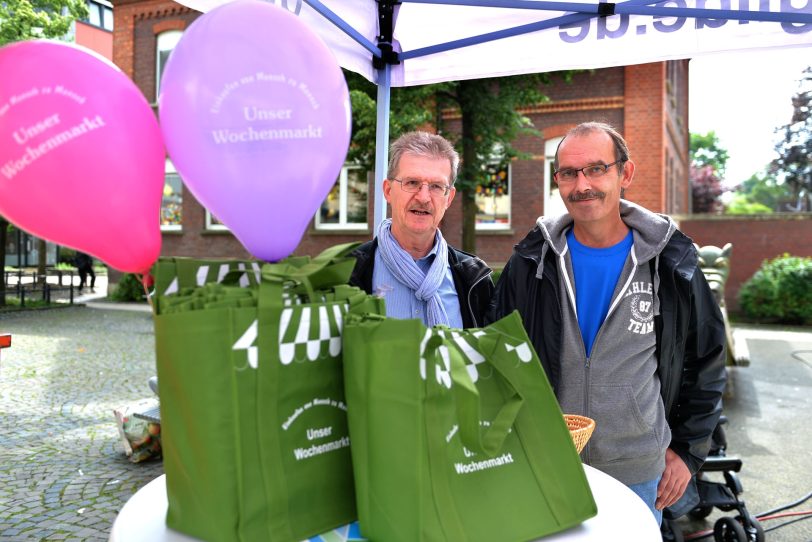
column 621, row 516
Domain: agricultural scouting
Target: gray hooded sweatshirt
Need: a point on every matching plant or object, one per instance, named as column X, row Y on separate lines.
column 617, row 385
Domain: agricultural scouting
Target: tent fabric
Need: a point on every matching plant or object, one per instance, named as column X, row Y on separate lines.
column 542, row 36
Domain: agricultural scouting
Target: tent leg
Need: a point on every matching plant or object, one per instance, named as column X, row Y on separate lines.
column 381, row 143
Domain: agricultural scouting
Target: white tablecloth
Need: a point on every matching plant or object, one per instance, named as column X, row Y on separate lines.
column 621, row 516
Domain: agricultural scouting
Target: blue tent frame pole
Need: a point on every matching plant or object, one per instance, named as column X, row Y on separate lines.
column 325, row 12
column 381, row 142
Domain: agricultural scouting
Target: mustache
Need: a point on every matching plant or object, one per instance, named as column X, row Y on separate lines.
column 589, row 194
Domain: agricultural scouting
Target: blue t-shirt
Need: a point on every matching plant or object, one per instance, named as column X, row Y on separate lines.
column 596, row 273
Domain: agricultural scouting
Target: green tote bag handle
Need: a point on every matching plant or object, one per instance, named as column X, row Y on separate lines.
column 487, row 441
column 330, row 268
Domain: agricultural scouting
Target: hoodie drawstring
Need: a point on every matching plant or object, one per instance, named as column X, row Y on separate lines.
column 656, row 285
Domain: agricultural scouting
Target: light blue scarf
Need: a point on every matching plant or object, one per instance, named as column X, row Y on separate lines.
column 425, row 285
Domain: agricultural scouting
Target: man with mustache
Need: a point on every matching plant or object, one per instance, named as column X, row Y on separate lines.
column 623, row 320
column 409, row 262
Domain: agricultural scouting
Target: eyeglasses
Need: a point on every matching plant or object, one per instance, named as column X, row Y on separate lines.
column 590, row 172
column 435, row 189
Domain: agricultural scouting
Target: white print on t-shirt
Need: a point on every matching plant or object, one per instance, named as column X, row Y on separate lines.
column 641, row 319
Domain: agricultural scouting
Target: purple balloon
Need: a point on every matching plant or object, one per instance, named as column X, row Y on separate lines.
column 256, row 117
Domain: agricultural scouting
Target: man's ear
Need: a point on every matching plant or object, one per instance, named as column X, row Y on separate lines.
column 451, row 193
column 387, row 189
column 628, row 174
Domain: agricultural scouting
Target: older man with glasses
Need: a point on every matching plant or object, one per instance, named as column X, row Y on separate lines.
column 409, row 262
column 623, row 321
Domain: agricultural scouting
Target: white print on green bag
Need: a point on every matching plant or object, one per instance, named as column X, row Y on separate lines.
column 318, row 449
column 319, row 432
column 471, row 356
column 202, row 276
column 313, row 340
column 315, row 402
column 474, row 466
column 246, row 342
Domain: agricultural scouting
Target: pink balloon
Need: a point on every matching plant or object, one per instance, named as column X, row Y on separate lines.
column 81, row 154
column 256, row 116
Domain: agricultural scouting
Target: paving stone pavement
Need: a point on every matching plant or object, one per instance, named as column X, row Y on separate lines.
column 63, row 471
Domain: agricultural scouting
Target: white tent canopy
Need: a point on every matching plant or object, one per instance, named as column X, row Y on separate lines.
column 448, row 40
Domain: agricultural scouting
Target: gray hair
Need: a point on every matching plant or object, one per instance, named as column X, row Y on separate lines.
column 423, row 144
column 586, row 128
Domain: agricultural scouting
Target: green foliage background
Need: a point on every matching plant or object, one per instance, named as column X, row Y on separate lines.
column 779, row 291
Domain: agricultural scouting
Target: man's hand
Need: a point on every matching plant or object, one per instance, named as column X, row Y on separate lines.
column 674, row 481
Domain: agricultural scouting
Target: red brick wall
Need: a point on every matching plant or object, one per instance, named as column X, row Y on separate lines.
column 755, row 239
column 644, row 123
column 95, row 38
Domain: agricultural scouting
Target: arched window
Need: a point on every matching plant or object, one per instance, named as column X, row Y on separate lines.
column 166, row 41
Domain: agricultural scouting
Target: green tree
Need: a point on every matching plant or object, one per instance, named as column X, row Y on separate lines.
column 761, row 191
column 706, row 188
column 794, row 163
column 708, row 164
column 707, row 151
column 27, row 19
column 490, row 120
column 410, row 109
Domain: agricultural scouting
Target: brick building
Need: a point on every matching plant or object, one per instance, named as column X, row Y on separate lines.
column 648, row 103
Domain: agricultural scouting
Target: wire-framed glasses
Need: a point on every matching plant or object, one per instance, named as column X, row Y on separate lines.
column 590, row 172
column 413, row 186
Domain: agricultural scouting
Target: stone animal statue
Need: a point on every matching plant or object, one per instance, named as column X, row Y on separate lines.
column 715, row 264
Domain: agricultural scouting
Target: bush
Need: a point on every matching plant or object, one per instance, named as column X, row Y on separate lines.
column 741, row 206
column 780, row 291
column 129, row 288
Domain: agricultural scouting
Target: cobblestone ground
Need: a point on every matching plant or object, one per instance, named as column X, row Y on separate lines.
column 63, row 472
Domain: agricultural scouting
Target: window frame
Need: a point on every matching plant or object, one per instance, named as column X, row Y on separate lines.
column 104, row 10
column 498, row 226
column 551, row 208
column 343, row 195
column 213, row 226
column 169, row 168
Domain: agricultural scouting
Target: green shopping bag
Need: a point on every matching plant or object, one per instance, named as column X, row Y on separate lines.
column 252, row 405
column 457, row 435
column 172, row 274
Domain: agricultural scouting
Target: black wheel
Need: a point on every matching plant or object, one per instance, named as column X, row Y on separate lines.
column 728, row 529
column 753, row 528
column 700, row 512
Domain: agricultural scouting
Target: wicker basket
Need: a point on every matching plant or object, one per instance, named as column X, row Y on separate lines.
column 580, row 428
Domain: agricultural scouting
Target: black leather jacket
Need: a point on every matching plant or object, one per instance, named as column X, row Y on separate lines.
column 472, row 279
column 690, row 334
